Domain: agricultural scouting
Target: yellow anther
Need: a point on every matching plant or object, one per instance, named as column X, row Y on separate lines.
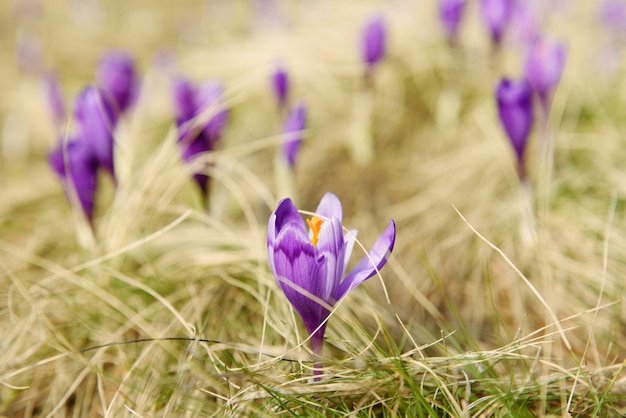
column 315, row 224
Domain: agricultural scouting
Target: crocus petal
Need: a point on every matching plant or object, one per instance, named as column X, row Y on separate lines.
column 330, row 207
column 287, row 213
column 96, row 120
column 280, row 85
column 116, row 75
column 294, row 125
column 370, row 264
column 208, row 96
column 183, row 94
column 300, row 273
column 77, row 169
column 496, row 15
column 331, row 245
column 193, row 148
column 450, row 15
column 214, row 129
column 515, row 108
column 544, row 67
column 349, row 240
column 374, row 40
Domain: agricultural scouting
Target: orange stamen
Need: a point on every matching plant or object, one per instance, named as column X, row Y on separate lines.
column 315, row 224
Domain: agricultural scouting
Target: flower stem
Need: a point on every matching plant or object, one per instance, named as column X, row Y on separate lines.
column 317, row 343
column 528, row 225
column 284, row 178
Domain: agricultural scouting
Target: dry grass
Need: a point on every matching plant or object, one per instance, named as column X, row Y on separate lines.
column 172, row 311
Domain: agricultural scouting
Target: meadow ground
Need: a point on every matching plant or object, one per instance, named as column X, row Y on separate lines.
column 170, row 309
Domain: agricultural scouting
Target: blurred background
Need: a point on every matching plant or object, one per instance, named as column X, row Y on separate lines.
column 438, row 146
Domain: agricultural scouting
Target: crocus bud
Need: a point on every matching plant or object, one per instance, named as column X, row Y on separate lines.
column 450, row 15
column 77, row 168
column 280, row 85
column 373, row 41
column 116, row 76
column 515, row 107
column 496, row 15
column 96, row 120
column 544, row 67
column 293, row 130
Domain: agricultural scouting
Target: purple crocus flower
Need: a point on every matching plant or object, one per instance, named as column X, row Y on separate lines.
column 116, row 76
column 96, row 121
column 496, row 15
column 373, row 41
column 77, row 168
column 309, row 266
column 450, row 15
column 195, row 135
column 280, row 85
column 544, row 67
column 294, row 125
column 515, row 107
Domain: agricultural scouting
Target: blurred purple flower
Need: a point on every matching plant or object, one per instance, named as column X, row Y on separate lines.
column 54, row 97
column 116, row 75
column 496, row 15
column 515, row 107
column 210, row 96
column 184, row 97
column 613, row 16
column 373, row 41
column 309, row 266
column 280, row 85
column 293, row 130
column 195, row 134
column 450, row 15
column 544, row 67
column 96, row 121
column 77, row 168
column 524, row 23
